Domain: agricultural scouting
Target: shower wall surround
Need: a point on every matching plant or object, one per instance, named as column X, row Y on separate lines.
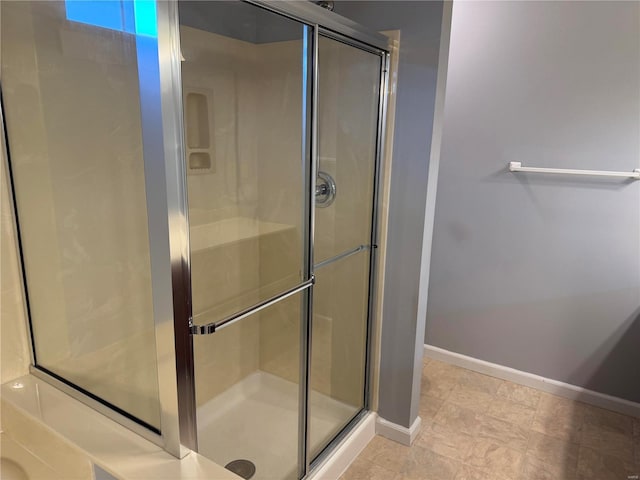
column 254, row 120
column 234, row 236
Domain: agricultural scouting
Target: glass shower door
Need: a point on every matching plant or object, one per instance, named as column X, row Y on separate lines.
column 348, row 96
column 243, row 76
column 246, row 75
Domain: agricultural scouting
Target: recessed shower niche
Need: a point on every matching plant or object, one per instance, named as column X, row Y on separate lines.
column 197, row 125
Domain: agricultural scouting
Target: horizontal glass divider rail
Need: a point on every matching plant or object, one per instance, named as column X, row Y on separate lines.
column 213, row 327
column 342, row 255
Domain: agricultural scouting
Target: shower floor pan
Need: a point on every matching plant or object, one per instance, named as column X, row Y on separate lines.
column 257, row 420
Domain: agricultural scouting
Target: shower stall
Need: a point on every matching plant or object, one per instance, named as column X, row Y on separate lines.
column 195, row 187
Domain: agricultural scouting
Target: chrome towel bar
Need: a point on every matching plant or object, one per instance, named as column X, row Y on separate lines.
column 213, row 327
column 342, row 255
column 517, row 167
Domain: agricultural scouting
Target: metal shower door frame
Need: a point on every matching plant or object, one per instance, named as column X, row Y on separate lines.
column 317, row 21
column 369, row 372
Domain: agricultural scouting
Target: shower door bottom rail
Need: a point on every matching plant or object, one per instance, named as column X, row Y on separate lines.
column 213, row 327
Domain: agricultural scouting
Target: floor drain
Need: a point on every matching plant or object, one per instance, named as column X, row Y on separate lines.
column 243, row 468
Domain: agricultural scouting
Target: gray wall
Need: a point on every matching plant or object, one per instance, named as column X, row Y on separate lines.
column 419, row 23
column 540, row 273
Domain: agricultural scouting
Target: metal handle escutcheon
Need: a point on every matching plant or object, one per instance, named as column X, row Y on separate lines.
column 325, row 190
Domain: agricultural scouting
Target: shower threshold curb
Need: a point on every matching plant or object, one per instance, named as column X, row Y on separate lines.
column 347, row 450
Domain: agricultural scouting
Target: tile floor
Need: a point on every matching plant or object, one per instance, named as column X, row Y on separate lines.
column 476, row 427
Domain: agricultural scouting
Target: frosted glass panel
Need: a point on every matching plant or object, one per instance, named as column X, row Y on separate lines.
column 72, row 106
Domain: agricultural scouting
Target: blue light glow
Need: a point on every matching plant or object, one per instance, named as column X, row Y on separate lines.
column 146, row 18
column 131, row 16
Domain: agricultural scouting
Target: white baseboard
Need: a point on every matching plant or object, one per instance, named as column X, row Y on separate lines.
column 548, row 385
column 347, row 451
column 398, row 433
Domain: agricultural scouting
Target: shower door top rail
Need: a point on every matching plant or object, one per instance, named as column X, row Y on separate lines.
column 517, row 167
column 310, row 13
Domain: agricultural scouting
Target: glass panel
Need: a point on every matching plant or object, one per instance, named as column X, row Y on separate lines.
column 340, row 307
column 72, row 108
column 243, row 91
column 242, row 81
column 349, row 82
column 247, row 377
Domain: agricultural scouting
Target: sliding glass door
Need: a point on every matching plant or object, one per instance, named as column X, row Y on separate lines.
column 348, row 102
column 244, row 80
column 272, row 111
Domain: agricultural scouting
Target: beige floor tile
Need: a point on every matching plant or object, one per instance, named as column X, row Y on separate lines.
column 519, row 394
column 552, row 404
column 503, row 433
column 498, row 459
column 467, row 472
column 446, row 442
column 608, row 420
column 552, row 451
column 429, row 407
column 512, row 412
column 362, row 469
column 457, row 418
column 438, row 366
column 596, row 466
column 476, row 427
column 475, row 400
column 535, row 469
column 608, row 442
column 438, row 387
column 423, row 464
column 559, row 418
column 386, row 453
column 439, row 379
column 479, row 382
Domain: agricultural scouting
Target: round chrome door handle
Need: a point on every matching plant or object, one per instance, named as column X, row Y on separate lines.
column 325, row 190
